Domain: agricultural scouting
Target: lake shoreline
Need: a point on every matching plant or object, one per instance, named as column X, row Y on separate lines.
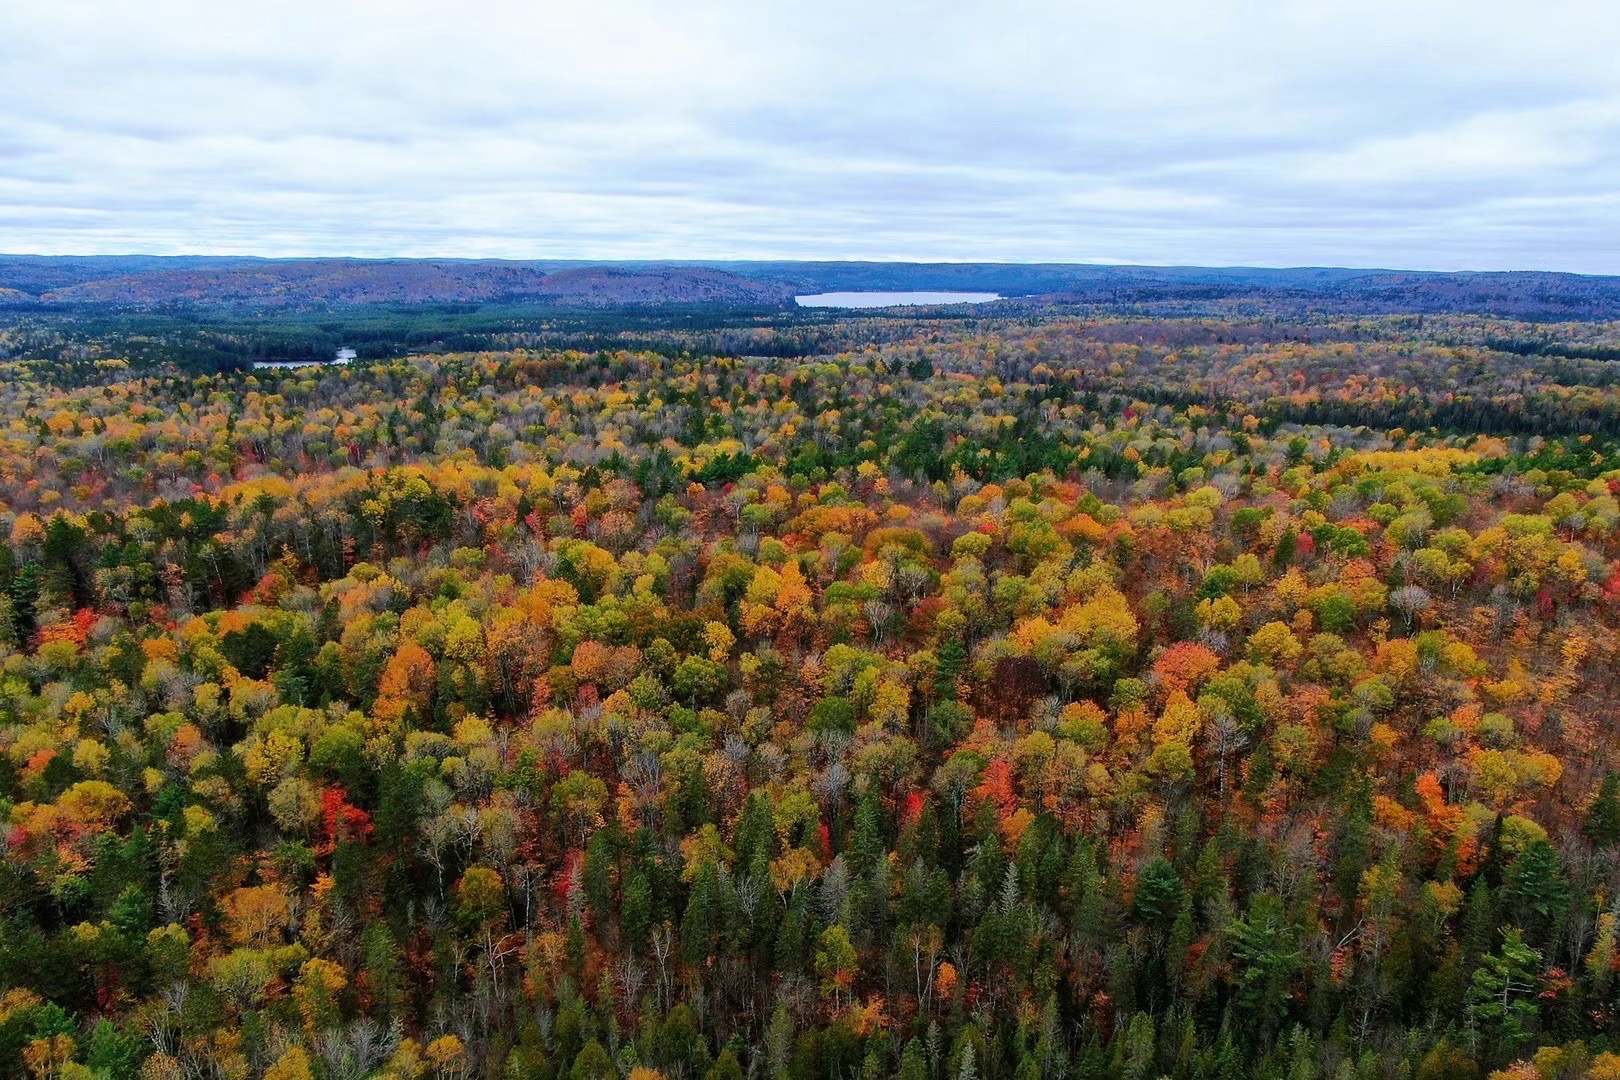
column 892, row 299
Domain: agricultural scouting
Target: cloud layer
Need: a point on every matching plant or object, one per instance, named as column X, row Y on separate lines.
column 1410, row 133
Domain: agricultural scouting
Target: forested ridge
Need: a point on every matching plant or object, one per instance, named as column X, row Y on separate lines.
column 946, row 697
column 335, row 284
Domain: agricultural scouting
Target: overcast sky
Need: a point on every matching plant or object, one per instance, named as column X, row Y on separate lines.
column 1409, row 133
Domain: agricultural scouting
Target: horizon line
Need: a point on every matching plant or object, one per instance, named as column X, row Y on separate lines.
column 1093, row 263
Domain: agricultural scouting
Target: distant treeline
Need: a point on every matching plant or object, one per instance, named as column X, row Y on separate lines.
column 209, row 340
column 1542, row 347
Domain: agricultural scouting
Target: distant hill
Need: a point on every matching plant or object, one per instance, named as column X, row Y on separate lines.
column 1520, row 294
column 36, row 274
column 277, row 283
column 603, row 285
column 1524, row 294
column 145, row 280
column 1029, row 279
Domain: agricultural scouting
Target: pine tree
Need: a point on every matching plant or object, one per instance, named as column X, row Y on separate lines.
column 1602, row 824
column 1502, row 998
column 913, row 1061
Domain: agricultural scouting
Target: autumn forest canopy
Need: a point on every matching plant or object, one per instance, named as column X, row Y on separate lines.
column 1179, row 679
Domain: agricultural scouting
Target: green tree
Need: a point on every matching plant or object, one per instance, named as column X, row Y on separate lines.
column 593, row 1063
column 836, row 963
column 1158, row 890
column 1501, row 999
column 1267, row 959
column 1535, row 889
column 1602, row 825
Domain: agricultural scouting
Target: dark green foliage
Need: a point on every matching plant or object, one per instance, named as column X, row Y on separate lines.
column 1602, row 825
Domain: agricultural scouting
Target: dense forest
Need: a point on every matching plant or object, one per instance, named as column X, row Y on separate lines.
column 1024, row 694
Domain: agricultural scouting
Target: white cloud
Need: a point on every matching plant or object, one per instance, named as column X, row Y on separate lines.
column 1387, row 132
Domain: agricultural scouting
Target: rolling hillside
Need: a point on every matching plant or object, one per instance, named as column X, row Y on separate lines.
column 143, row 281
column 274, row 283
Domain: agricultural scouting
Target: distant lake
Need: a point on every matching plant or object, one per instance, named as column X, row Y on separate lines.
column 892, row 299
column 344, row 356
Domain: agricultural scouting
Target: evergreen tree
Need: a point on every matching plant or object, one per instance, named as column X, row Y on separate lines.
column 1602, row 825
